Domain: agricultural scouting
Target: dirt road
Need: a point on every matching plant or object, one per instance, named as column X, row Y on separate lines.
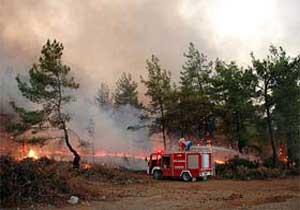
column 213, row 194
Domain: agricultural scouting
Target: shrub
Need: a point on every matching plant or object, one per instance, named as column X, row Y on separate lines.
column 269, row 163
column 238, row 168
column 264, row 173
column 235, row 162
column 27, row 181
column 242, row 172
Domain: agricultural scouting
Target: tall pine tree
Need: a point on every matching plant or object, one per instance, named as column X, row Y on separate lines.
column 158, row 86
column 233, row 92
column 286, row 94
column 49, row 80
column 265, row 74
column 195, row 106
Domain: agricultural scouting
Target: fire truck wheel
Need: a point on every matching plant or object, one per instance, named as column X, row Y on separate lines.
column 157, row 174
column 186, row 177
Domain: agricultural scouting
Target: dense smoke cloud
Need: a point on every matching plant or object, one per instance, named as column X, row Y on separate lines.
column 104, row 38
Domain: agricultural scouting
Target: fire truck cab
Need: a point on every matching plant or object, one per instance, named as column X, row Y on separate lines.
column 184, row 165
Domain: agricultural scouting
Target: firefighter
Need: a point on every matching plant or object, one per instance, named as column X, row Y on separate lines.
column 184, row 145
column 181, row 144
column 188, row 145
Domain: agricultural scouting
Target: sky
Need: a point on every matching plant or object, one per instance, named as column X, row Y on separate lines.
column 104, row 38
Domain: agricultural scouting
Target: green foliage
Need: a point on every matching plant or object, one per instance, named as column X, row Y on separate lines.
column 236, row 161
column 27, row 119
column 47, row 86
column 103, row 98
column 278, row 93
column 48, row 81
column 159, row 90
column 158, row 84
column 16, row 128
column 30, row 117
column 286, row 95
column 233, row 91
column 196, row 72
column 194, row 102
column 243, row 169
column 250, row 106
column 126, row 91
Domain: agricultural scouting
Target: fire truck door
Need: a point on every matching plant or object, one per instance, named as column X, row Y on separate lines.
column 166, row 165
column 193, row 163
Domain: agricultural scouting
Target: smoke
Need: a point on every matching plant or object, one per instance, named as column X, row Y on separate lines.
column 110, row 128
column 103, row 38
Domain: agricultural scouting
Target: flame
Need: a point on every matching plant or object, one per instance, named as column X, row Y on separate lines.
column 35, row 153
column 32, row 154
column 86, row 166
column 219, row 161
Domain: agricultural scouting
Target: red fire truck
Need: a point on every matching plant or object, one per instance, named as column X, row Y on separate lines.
column 185, row 165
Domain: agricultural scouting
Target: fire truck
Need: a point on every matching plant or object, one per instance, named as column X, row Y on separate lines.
column 185, row 165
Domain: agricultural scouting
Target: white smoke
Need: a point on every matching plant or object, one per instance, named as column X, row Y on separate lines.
column 111, row 131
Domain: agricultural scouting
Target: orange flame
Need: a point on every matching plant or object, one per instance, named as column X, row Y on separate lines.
column 86, row 166
column 219, row 161
column 32, row 154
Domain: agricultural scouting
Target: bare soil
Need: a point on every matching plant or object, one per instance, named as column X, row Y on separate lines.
column 212, row 194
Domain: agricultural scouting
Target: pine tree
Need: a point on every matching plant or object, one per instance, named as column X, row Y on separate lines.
column 194, row 103
column 49, row 80
column 196, row 71
column 265, row 73
column 233, row 92
column 126, row 91
column 158, row 87
column 286, row 94
column 103, row 98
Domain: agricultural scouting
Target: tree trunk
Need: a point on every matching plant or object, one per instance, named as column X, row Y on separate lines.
column 163, row 125
column 76, row 160
column 200, row 135
column 238, row 132
column 271, row 136
column 269, row 122
column 164, row 136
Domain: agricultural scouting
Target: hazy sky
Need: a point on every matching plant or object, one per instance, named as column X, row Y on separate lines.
column 103, row 38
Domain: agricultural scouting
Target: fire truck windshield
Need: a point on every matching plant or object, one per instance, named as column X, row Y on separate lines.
column 155, row 157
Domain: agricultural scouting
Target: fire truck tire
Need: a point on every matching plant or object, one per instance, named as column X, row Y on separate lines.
column 157, row 174
column 186, row 177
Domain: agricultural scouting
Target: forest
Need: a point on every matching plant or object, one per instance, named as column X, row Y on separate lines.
column 257, row 106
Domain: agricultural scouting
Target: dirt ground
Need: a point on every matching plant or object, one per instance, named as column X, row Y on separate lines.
column 212, row 194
